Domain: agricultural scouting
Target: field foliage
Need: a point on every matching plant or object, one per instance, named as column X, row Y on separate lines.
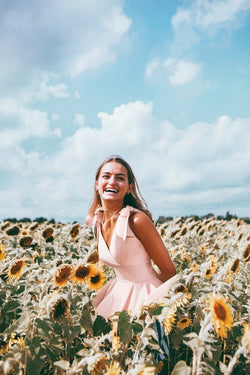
column 49, row 274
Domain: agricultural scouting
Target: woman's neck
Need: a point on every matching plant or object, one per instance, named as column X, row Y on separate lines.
column 111, row 211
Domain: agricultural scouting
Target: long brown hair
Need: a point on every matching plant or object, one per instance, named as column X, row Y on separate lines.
column 134, row 198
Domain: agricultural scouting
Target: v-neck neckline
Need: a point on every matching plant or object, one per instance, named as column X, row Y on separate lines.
column 100, row 230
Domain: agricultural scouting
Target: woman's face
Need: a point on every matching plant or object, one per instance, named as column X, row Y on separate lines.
column 112, row 184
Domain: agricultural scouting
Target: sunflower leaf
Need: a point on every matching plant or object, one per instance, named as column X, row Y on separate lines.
column 100, row 326
column 86, row 321
column 124, row 327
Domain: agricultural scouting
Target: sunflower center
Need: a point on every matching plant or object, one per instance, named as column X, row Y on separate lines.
column 16, row 267
column 82, row 272
column 220, row 311
column 95, row 279
column 60, row 309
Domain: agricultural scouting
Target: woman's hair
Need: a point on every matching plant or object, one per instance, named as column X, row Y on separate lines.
column 134, row 198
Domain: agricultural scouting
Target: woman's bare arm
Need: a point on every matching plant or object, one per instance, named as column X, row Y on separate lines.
column 146, row 232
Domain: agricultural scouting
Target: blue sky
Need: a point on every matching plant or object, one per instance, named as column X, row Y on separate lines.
column 165, row 84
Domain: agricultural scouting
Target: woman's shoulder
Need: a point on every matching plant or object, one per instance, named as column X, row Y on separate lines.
column 90, row 220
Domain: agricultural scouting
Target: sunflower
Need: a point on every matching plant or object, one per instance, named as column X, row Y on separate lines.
column 59, row 307
column 194, row 267
column 25, row 241
column 4, row 346
column 2, row 252
column 47, row 233
column 97, row 363
column 62, row 275
column 169, row 320
column 13, row 231
column 235, row 266
column 16, row 269
column 74, row 231
column 113, row 369
column 182, row 300
column 93, row 257
column 15, row 338
column 221, row 315
column 181, row 289
column 246, row 253
column 97, row 280
column 209, row 272
column 83, row 272
column 184, row 323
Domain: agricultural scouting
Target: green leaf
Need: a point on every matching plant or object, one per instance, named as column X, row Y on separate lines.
column 137, row 328
column 34, row 365
column 124, row 327
column 101, row 326
column 43, row 325
column 86, row 321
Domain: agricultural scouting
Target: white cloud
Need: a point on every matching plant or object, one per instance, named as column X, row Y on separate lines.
column 79, row 119
column 202, row 18
column 77, row 95
column 68, row 37
column 204, row 167
column 180, row 72
column 18, row 123
column 207, row 13
column 46, row 91
column 152, row 67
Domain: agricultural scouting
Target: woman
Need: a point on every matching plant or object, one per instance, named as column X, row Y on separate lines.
column 127, row 241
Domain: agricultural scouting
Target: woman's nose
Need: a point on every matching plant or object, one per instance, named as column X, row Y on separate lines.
column 111, row 179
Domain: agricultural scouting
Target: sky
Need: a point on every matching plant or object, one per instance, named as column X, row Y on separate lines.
column 164, row 84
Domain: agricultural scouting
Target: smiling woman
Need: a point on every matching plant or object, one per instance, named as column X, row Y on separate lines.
column 127, row 241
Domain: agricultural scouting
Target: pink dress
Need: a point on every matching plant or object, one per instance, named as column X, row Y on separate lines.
column 136, row 283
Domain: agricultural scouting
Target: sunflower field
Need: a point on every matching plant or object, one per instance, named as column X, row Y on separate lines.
column 49, row 274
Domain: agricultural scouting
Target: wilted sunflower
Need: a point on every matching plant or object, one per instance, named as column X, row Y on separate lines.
column 62, row 275
column 16, row 269
column 221, row 315
column 59, row 307
column 183, row 323
column 97, row 280
column 83, row 272
column 169, row 320
column 2, row 252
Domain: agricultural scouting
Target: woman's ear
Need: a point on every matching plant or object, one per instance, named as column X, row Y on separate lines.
column 130, row 187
